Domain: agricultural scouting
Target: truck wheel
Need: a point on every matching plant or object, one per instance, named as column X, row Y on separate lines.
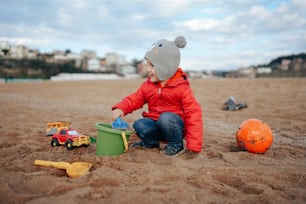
column 54, row 142
column 69, row 145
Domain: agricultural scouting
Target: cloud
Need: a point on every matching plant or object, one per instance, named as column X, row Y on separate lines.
column 26, row 41
column 207, row 25
column 219, row 34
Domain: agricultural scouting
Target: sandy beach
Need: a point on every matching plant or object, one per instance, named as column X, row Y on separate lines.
column 221, row 173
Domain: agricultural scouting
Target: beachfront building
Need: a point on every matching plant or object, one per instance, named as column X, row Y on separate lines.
column 96, row 65
column 18, row 52
column 126, row 70
column 62, row 57
column 114, row 61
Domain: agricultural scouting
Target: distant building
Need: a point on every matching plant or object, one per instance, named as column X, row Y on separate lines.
column 59, row 56
column 114, row 61
column 247, row 72
column 195, row 74
column 63, row 57
column 285, row 64
column 22, row 52
column 94, row 64
column 32, row 54
column 297, row 64
column 86, row 60
column 75, row 57
column 264, row 70
column 126, row 70
column 88, row 54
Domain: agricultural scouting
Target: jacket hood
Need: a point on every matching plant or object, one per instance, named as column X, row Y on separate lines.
column 179, row 77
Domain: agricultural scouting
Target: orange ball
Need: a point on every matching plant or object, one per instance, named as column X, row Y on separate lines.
column 255, row 136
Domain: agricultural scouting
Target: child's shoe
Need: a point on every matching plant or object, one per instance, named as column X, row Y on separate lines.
column 174, row 149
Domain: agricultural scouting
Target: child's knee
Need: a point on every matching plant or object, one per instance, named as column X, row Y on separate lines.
column 167, row 118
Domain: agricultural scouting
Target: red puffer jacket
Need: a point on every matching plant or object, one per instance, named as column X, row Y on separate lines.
column 177, row 97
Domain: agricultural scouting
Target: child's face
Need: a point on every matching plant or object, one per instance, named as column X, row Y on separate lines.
column 151, row 71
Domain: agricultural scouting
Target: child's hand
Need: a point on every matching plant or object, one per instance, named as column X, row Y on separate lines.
column 117, row 113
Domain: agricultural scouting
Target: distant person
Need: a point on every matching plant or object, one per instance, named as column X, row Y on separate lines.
column 173, row 112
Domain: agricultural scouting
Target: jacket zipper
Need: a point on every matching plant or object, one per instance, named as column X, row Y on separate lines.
column 159, row 99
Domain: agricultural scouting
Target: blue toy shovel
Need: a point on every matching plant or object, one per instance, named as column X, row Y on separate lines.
column 119, row 124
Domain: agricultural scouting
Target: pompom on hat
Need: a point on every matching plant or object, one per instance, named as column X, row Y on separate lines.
column 165, row 56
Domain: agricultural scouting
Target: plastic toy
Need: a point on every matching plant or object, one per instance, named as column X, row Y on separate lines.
column 255, row 136
column 119, row 124
column 232, row 104
column 70, row 138
column 53, row 127
column 73, row 170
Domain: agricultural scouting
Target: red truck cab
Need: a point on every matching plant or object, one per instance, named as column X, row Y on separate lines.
column 70, row 138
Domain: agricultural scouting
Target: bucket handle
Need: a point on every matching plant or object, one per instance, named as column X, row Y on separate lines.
column 123, row 135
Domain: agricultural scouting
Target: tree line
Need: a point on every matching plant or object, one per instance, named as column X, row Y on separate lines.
column 35, row 68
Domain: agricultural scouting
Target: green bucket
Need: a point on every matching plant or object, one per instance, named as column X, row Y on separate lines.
column 111, row 141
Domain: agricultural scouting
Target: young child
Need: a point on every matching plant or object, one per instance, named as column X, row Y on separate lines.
column 173, row 112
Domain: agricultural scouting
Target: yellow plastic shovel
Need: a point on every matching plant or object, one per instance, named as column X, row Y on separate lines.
column 73, row 170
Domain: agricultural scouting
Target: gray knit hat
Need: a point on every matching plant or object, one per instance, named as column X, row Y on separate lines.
column 165, row 56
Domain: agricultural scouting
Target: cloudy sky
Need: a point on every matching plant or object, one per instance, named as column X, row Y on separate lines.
column 220, row 34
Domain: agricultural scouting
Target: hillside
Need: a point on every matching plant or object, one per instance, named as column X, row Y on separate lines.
column 284, row 66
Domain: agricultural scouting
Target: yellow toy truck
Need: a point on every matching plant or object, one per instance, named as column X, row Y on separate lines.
column 54, row 127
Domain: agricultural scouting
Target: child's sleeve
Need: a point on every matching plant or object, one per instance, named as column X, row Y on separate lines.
column 131, row 102
column 193, row 122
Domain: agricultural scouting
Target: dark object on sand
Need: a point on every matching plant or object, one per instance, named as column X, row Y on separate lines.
column 232, row 104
